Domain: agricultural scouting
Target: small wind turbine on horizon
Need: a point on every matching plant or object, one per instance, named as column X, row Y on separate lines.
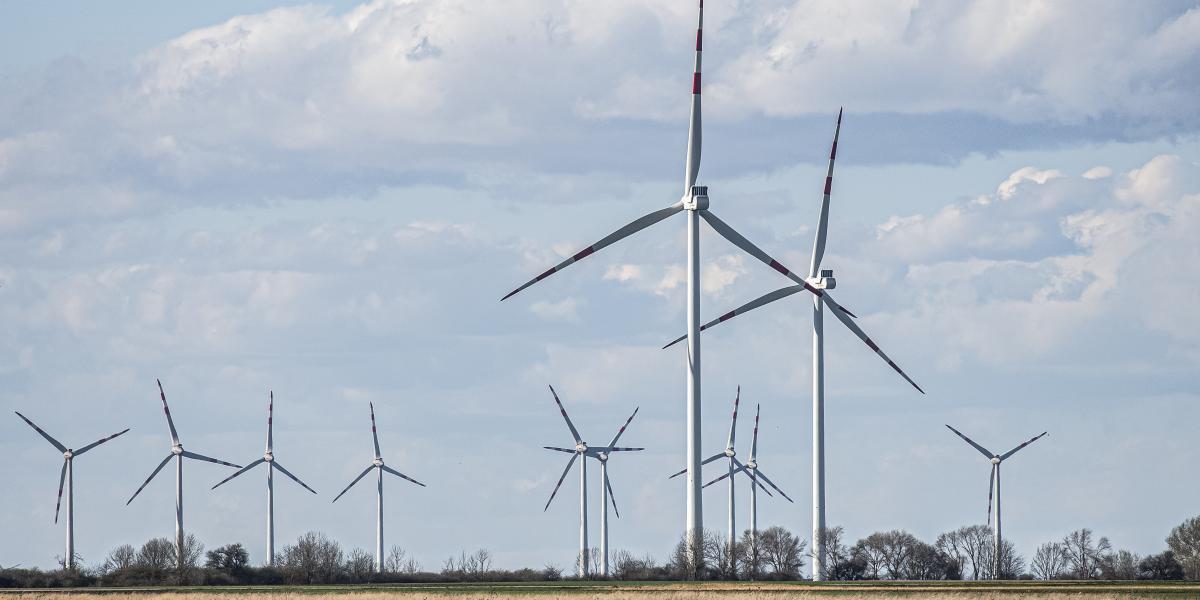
column 380, row 468
column 818, row 283
column 994, row 486
column 272, row 464
column 695, row 203
column 600, row 453
column 750, row 469
column 67, row 476
column 178, row 453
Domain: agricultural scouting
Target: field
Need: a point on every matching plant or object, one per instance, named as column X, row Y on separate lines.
column 656, row 591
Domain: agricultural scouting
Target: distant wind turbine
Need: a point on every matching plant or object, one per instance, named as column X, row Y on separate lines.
column 378, row 465
column 600, row 453
column 994, row 486
column 67, row 476
column 178, row 453
column 272, row 464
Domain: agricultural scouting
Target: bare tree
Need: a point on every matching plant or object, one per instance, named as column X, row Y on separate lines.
column 782, row 551
column 314, row 558
column 360, row 565
column 1160, row 566
column 1184, row 542
column 687, row 560
column 751, row 550
column 1084, row 553
column 627, row 567
column 1121, row 565
column 971, row 548
column 722, row 556
column 156, row 557
column 398, row 561
column 119, row 559
column 1049, row 562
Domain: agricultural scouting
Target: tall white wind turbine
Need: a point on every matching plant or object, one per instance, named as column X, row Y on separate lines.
column 818, row 283
column 994, row 486
column 735, row 466
column 178, row 453
column 272, row 464
column 378, row 465
column 67, row 476
column 602, row 454
column 695, row 203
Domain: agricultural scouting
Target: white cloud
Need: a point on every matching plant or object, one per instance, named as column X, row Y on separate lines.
column 1099, row 172
column 565, row 310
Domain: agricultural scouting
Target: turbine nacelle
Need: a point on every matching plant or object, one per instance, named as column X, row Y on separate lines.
column 698, row 200
column 581, row 448
column 824, row 282
column 268, row 457
column 177, row 449
column 730, row 452
column 996, row 460
column 378, row 462
column 750, row 464
column 69, row 454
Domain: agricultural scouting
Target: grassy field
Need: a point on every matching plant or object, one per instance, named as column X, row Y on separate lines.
column 656, row 591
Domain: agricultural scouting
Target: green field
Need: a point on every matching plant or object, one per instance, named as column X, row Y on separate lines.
column 658, row 590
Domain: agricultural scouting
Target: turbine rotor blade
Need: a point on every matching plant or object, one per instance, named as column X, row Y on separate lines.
column 754, row 481
column 622, row 429
column 823, row 220
column 692, row 167
column 754, row 439
column 167, row 411
column 747, row 246
column 54, row 442
column 702, row 463
column 611, row 495
column 62, row 477
column 360, row 476
column 560, row 480
column 97, row 443
column 239, row 472
column 152, row 474
column 991, row 485
column 759, row 473
column 194, row 456
column 619, row 449
column 852, row 326
column 630, row 229
column 726, row 474
column 374, row 433
column 981, row 449
column 559, row 449
column 401, row 475
column 733, row 424
column 749, row 306
column 570, row 425
column 293, row 477
column 1023, row 444
column 270, row 425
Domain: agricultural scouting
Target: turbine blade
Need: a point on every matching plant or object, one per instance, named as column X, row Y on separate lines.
column 852, row 326
column 360, row 476
column 560, row 480
column 152, row 474
column 276, row 464
column 62, row 478
column 981, row 449
column 611, row 495
column 270, row 419
column 754, row 439
column 746, row 245
column 726, row 474
column 823, row 219
column 991, row 485
column 400, row 475
column 630, row 229
column 692, row 166
column 559, row 449
column 374, row 434
column 622, row 429
column 194, row 456
column 239, row 472
column 619, row 449
column 702, row 463
column 772, row 484
column 167, row 411
column 54, row 442
column 97, row 443
column 754, row 481
column 749, row 306
column 1023, row 444
column 570, row 425
column 733, row 424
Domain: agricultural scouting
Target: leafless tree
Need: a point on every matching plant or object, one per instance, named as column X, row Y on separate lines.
column 751, row 549
column 1049, row 562
column 627, row 567
column 1121, row 565
column 399, row 561
column 119, row 559
column 314, row 558
column 971, row 548
column 1085, row 554
column 1184, row 542
column 722, row 556
column 360, row 565
column 687, row 560
column 782, row 551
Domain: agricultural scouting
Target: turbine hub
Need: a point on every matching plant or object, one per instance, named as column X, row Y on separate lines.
column 69, row 453
column 377, row 462
column 581, row 447
column 751, row 464
column 995, row 460
column 824, row 281
column 177, row 449
column 730, row 453
column 698, row 199
column 268, row 457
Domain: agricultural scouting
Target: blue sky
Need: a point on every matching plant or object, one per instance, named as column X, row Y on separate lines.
column 328, row 201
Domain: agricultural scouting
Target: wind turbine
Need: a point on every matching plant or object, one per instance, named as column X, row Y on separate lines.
column 600, row 453
column 67, row 476
column 178, row 453
column 272, row 464
column 994, row 485
column 695, row 203
column 750, row 469
column 380, row 469
column 818, row 282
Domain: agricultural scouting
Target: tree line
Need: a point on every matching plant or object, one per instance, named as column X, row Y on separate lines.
column 770, row 554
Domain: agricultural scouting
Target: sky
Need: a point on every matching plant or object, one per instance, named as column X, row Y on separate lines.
column 329, row 200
